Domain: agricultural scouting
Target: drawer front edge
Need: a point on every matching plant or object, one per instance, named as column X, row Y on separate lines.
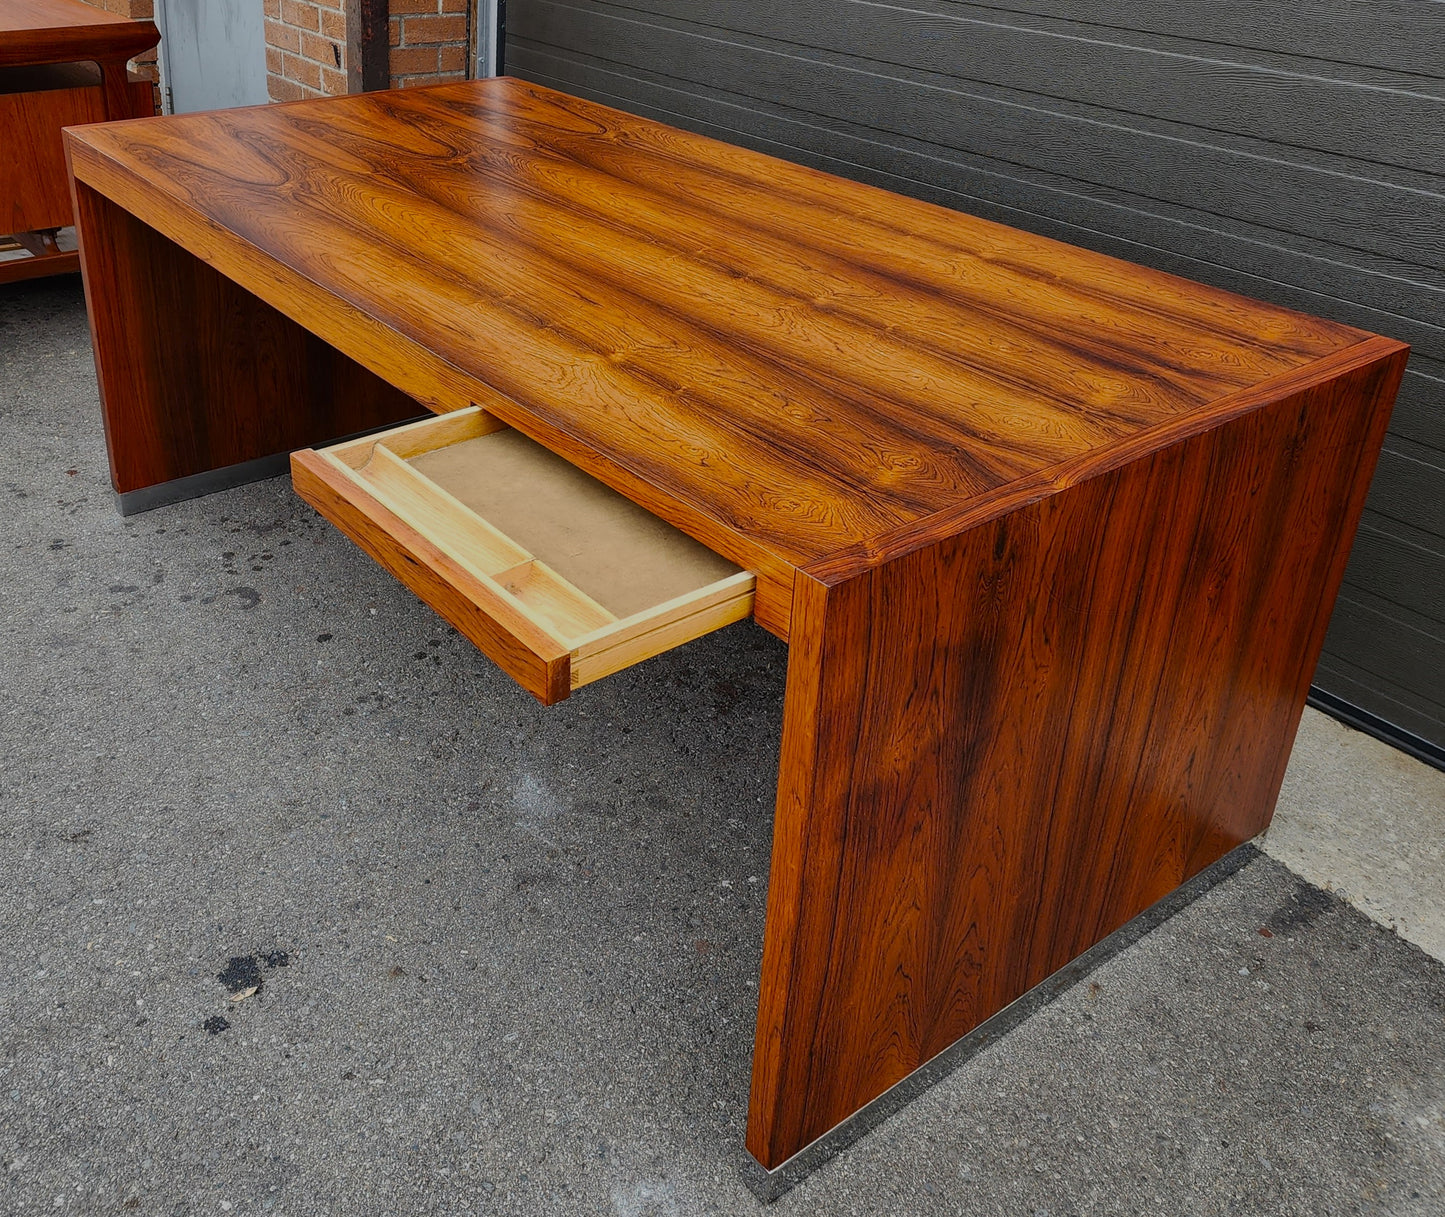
column 545, row 671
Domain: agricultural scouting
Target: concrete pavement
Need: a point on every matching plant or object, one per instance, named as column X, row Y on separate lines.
column 504, row 957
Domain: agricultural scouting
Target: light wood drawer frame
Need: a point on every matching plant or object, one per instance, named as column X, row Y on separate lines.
column 547, row 634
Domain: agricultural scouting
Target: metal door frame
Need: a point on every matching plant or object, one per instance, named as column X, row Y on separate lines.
column 163, row 63
column 489, row 25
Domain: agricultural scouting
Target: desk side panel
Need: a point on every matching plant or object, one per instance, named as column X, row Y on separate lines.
column 197, row 374
column 1001, row 747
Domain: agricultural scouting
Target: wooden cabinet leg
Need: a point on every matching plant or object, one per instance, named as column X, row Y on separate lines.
column 115, row 84
column 197, row 374
column 1001, row 747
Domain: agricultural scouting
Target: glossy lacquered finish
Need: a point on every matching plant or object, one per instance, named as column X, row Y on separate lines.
column 1053, row 537
column 248, row 379
column 67, row 31
column 1007, row 741
column 47, row 84
column 34, row 184
column 784, row 362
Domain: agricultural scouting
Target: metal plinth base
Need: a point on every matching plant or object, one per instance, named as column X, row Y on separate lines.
column 768, row 1185
column 163, row 494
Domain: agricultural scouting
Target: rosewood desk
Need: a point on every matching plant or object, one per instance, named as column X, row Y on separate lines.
column 62, row 63
column 1052, row 539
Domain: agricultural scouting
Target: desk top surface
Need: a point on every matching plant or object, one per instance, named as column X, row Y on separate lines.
column 816, row 365
column 52, row 31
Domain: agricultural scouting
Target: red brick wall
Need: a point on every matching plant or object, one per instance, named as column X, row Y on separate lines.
column 429, row 41
column 311, row 51
column 306, row 49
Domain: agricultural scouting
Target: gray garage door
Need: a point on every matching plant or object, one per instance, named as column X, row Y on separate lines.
column 1291, row 151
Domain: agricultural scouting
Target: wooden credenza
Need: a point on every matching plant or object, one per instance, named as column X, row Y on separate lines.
column 62, row 64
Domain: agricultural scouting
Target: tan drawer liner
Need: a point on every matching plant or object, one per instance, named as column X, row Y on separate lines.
column 557, row 577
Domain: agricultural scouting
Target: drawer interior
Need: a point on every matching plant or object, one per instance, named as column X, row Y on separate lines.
column 616, row 554
column 596, row 582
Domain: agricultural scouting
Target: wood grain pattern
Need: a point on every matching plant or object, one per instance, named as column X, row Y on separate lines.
column 1025, row 491
column 47, row 83
column 543, row 630
column 34, row 184
column 1053, row 538
column 438, row 514
column 67, row 31
column 516, row 644
column 1005, row 743
column 643, row 635
column 1125, row 151
column 781, row 362
column 197, row 374
column 16, row 270
column 1243, row 150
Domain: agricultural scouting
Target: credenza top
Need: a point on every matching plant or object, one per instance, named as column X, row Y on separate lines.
column 55, row 31
column 815, row 364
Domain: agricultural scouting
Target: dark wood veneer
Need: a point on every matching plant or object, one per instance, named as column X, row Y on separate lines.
column 810, row 362
column 47, row 84
column 1005, row 743
column 199, row 374
column 1053, row 538
column 67, row 31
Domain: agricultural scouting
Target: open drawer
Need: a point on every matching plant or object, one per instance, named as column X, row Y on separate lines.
column 556, row 577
